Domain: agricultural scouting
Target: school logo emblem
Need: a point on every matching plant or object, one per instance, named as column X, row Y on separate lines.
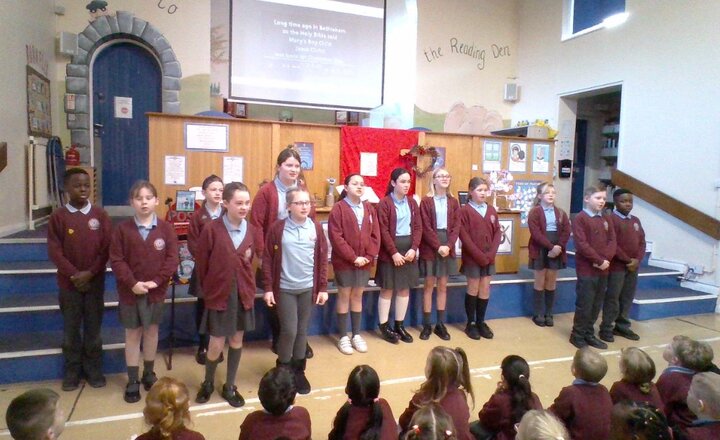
column 606, row 225
column 94, row 224
column 71, row 231
column 636, row 227
column 159, row 244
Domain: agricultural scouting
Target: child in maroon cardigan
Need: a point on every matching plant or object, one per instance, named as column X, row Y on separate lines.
column 480, row 235
column 638, row 372
column 585, row 406
column 431, row 422
column 355, row 239
column 295, row 273
column 448, row 384
column 595, row 246
column 212, row 190
column 704, row 401
column 549, row 234
column 280, row 418
column 143, row 257
column 78, row 241
column 441, row 228
column 224, row 265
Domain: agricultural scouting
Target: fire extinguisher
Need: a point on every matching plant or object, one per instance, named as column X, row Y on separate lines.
column 72, row 156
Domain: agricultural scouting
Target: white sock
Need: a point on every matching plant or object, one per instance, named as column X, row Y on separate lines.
column 383, row 309
column 401, row 305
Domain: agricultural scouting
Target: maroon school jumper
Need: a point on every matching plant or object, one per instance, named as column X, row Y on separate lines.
column 133, row 259
column 358, row 417
column 220, row 265
column 585, row 410
column 294, row 425
column 630, row 239
column 429, row 244
column 348, row 242
column 272, row 260
column 181, row 434
column 387, row 217
column 594, row 242
column 709, row 430
column 78, row 242
column 623, row 391
column 480, row 235
column 673, row 386
column 454, row 403
column 538, row 225
column 198, row 221
column 496, row 414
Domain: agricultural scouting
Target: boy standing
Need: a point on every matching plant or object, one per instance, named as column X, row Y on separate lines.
column 622, row 280
column 595, row 247
column 78, row 242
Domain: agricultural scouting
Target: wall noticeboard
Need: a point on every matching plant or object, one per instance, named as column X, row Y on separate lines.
column 38, row 104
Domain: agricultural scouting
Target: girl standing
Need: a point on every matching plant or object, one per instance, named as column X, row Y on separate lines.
column 143, row 257
column 295, row 273
column 480, row 236
column 212, row 190
column 549, row 234
column 355, row 238
column 441, row 227
column 167, row 411
column 225, row 254
column 400, row 232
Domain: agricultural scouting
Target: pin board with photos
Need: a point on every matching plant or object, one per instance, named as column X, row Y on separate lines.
column 38, row 104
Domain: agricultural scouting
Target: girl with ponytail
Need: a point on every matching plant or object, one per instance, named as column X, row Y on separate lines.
column 167, row 412
column 638, row 372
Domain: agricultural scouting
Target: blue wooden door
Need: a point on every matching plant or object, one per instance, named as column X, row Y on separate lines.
column 124, row 70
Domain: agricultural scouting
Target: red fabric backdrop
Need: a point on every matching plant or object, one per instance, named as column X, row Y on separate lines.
column 386, row 143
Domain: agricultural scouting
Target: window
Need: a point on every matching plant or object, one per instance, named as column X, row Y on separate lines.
column 583, row 16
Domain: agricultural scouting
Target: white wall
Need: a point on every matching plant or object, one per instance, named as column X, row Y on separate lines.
column 22, row 22
column 666, row 57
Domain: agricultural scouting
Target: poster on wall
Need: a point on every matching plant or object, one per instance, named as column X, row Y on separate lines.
column 233, row 169
column 38, row 104
column 492, row 156
column 523, row 198
column 368, row 164
column 506, row 236
column 518, row 157
column 123, row 107
column 307, row 154
column 541, row 158
column 207, row 137
column 440, row 160
column 174, row 170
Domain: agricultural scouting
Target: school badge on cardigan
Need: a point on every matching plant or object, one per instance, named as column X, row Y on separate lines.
column 94, row 224
column 159, row 244
column 606, row 225
column 71, row 231
column 636, row 227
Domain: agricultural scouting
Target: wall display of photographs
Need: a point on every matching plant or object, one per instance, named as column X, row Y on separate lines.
column 38, row 104
column 518, row 157
column 492, row 156
column 523, row 198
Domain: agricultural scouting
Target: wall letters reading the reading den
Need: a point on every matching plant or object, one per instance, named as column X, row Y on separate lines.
column 471, row 50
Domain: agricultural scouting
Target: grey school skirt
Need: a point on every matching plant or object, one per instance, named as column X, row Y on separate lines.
column 389, row 276
column 472, row 270
column 440, row 266
column 543, row 261
column 352, row 277
column 225, row 323
column 141, row 314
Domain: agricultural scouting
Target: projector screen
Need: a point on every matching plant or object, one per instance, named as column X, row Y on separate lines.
column 321, row 53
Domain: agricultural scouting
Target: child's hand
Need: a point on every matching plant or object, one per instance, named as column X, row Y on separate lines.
column 444, row 251
column 633, row 265
column 361, row 261
column 605, row 264
column 410, row 255
column 139, row 288
column 269, row 299
column 398, row 259
column 81, row 280
column 555, row 251
column 321, row 298
column 149, row 285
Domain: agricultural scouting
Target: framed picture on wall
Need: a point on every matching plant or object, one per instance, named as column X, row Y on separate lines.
column 541, row 158
column 239, row 110
column 353, row 118
column 341, row 117
column 506, row 236
column 185, row 201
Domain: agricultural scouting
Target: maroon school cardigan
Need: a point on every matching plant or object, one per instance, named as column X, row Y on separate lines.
column 198, row 221
column 623, row 391
column 630, row 238
column 272, row 259
column 480, row 235
column 673, row 387
column 388, row 219
column 219, row 265
column 294, row 425
column 705, row 431
column 133, row 259
column 594, row 242
column 537, row 225
column 429, row 244
column 78, row 242
column 496, row 415
column 358, row 417
column 454, row 403
column 348, row 241
column 585, row 410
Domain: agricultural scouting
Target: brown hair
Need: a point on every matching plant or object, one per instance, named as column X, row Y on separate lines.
column 477, row 181
column 638, row 368
column 167, row 407
column 590, row 190
column 692, row 354
column 445, row 368
column 32, row 413
column 142, row 184
column 286, row 154
column 589, row 365
column 431, row 422
column 540, row 190
column 231, row 188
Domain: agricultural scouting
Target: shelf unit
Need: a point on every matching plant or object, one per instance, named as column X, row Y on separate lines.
column 609, row 153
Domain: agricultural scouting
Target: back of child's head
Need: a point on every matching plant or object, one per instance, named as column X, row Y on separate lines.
column 140, row 185
column 704, row 395
column 431, row 422
column 231, row 188
column 541, row 425
column 516, row 373
column 445, row 368
column 74, row 172
column 277, row 390
column 362, row 389
column 31, row 414
column 589, row 365
column 637, row 368
column 167, row 407
column 641, row 421
column 695, row 355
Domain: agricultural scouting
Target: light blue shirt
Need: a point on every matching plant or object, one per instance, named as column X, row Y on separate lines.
column 624, row 217
column 145, row 230
column 480, row 208
column 440, row 211
column 402, row 213
column 584, row 382
column 550, row 220
column 216, row 213
column 85, row 209
column 592, row 214
column 298, row 255
column 358, row 210
column 282, row 198
column 237, row 235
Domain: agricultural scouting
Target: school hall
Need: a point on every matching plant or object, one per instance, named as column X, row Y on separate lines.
column 646, row 78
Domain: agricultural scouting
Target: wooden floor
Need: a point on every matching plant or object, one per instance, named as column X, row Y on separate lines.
column 102, row 413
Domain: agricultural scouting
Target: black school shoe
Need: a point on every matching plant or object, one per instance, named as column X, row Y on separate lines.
column 472, row 331
column 96, row 380
column 230, row 393
column 132, row 392
column 607, row 337
column 549, row 321
column 205, row 391
column 426, row 332
column 485, row 331
column 148, row 379
column 309, row 352
column 70, row 382
column 595, row 342
column 578, row 341
column 387, row 334
column 539, row 321
column 441, row 331
column 627, row 334
column 402, row 333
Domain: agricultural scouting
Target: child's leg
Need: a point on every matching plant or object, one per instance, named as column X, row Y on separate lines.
column 234, row 354
column 627, row 294
column 384, row 301
column 583, row 310
column 611, row 304
column 356, row 306
column 538, row 294
column 473, row 288
column 93, row 309
column 71, row 306
column 304, row 307
column 427, row 298
column 341, row 308
column 402, row 299
column 441, row 298
column 550, row 286
column 150, row 343
column 598, row 300
column 132, row 352
column 482, row 304
column 287, row 312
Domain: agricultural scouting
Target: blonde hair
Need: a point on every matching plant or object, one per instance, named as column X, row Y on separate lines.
column 445, row 368
column 431, row 422
column 167, row 407
column 541, row 425
column 589, row 365
column 540, row 190
column 431, row 192
column 637, row 368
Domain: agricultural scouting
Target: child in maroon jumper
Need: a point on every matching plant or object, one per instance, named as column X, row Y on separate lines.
column 704, row 401
column 595, row 246
column 480, row 235
column 622, row 280
column 585, row 406
column 638, row 371
column 167, row 411
column 78, row 241
column 685, row 358
column 431, row 422
column 280, row 418
column 143, row 257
